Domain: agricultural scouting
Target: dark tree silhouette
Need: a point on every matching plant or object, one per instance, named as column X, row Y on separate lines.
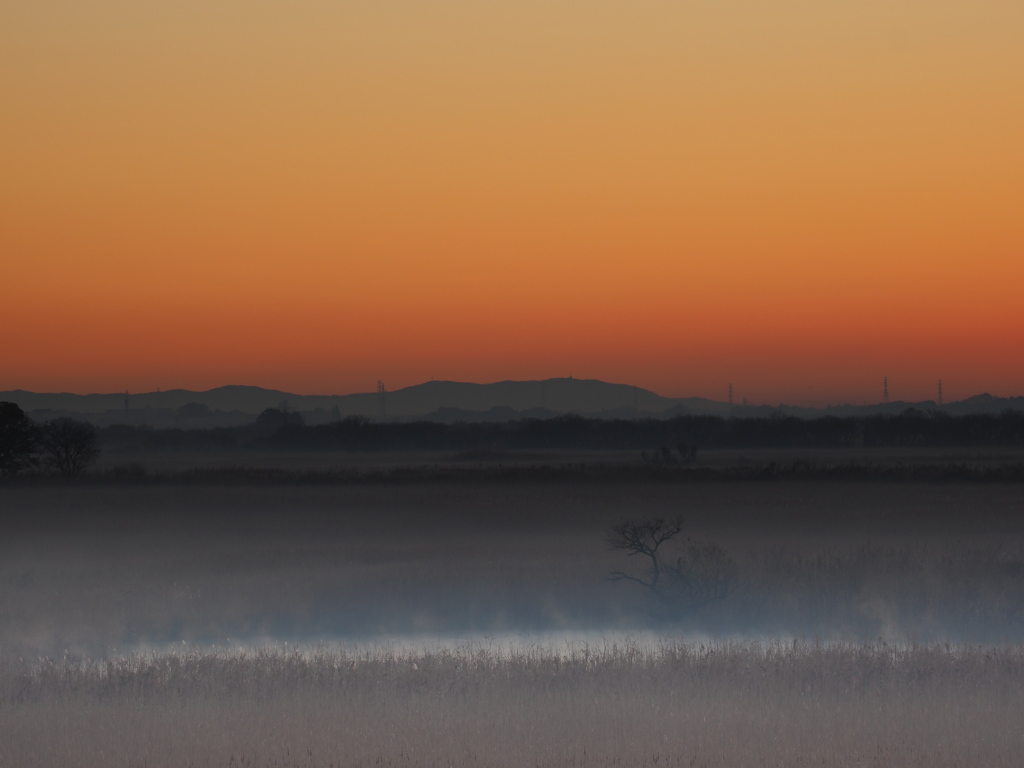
column 273, row 418
column 69, row 446
column 644, row 538
column 19, row 440
column 702, row 574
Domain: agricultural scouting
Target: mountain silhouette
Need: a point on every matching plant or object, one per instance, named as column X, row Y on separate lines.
column 446, row 401
column 441, row 400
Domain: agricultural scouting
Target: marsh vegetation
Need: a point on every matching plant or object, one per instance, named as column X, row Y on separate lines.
column 628, row 704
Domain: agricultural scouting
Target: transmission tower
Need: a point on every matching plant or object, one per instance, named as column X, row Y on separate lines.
column 885, row 389
column 382, row 392
column 940, row 392
column 730, row 394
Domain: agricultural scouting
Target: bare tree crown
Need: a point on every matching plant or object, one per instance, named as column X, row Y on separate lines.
column 69, row 446
column 701, row 574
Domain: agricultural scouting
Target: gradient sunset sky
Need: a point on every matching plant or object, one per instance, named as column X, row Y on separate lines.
column 799, row 197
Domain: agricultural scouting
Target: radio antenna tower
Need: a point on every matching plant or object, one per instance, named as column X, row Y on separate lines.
column 730, row 394
column 940, row 392
column 382, row 392
column 885, row 389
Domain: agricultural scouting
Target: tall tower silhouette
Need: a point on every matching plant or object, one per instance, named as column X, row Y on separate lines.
column 885, row 389
column 940, row 392
column 382, row 393
column 730, row 394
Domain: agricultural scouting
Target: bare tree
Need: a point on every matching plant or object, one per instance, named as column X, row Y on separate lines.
column 69, row 446
column 701, row 574
column 643, row 538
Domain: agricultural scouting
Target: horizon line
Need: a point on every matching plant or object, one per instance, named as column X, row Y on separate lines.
column 638, row 388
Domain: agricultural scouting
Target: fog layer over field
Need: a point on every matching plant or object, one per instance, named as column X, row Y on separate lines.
column 98, row 570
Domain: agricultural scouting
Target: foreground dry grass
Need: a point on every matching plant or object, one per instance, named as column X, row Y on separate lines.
column 620, row 704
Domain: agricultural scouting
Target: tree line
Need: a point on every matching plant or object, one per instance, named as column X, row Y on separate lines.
column 676, row 439
column 68, row 446
column 63, row 445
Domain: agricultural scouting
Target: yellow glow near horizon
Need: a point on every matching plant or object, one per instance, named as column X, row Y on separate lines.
column 315, row 196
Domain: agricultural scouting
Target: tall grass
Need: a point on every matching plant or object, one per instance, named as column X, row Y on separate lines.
column 624, row 704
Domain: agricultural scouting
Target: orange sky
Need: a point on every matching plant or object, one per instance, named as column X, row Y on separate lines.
column 798, row 197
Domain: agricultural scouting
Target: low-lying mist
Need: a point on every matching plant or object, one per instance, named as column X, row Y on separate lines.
column 98, row 570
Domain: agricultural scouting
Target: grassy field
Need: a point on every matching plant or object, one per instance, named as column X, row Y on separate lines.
column 629, row 704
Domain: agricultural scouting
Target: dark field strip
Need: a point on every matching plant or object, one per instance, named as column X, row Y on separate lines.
column 496, row 472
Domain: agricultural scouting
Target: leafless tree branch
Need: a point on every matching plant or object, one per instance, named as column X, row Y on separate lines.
column 702, row 574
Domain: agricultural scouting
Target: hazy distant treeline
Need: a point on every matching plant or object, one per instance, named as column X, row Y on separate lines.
column 912, row 428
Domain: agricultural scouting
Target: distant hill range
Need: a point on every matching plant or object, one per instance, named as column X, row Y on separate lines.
column 444, row 401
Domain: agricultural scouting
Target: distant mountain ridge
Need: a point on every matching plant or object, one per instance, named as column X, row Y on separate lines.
column 439, row 400
column 446, row 401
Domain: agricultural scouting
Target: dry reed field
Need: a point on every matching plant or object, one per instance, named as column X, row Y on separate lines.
column 664, row 703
